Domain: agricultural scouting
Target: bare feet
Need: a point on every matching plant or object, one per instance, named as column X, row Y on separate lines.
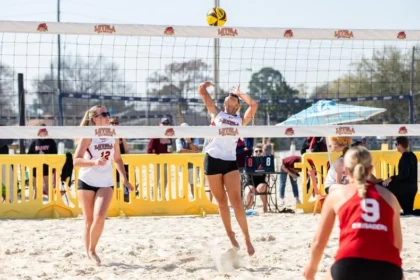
column 94, row 258
column 249, row 247
column 233, row 240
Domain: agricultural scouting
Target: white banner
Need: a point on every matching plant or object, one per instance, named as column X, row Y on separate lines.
column 72, row 132
column 205, row 31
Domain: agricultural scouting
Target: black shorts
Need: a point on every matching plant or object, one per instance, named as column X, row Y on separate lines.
column 214, row 166
column 82, row 186
column 255, row 180
column 364, row 269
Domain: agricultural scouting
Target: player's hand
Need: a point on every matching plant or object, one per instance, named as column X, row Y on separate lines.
column 205, row 84
column 236, row 90
column 129, row 185
column 294, row 176
column 100, row 162
column 309, row 272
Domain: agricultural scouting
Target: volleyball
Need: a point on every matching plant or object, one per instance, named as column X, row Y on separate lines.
column 216, row 17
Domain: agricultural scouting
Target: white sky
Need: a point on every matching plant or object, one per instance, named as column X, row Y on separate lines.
column 311, row 63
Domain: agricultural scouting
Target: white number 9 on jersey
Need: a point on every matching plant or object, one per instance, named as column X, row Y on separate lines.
column 370, row 207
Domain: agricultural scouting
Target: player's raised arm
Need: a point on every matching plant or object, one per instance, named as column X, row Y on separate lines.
column 207, row 99
column 253, row 105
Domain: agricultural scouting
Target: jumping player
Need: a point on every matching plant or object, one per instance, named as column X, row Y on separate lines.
column 370, row 229
column 220, row 166
column 95, row 185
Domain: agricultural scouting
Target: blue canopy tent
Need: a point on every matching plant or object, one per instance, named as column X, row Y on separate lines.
column 327, row 112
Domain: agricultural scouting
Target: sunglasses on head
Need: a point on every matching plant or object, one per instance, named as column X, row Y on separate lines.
column 103, row 114
column 234, row 95
column 115, row 123
column 258, row 151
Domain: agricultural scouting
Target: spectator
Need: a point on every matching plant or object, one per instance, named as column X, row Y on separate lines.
column 43, row 146
column 249, row 144
column 123, row 150
column 268, row 148
column 288, row 169
column 256, row 184
column 314, row 144
column 241, row 154
column 188, row 145
column 404, row 185
column 336, row 173
column 161, row 146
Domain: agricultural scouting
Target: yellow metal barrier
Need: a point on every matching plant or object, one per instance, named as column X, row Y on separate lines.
column 22, row 192
column 385, row 165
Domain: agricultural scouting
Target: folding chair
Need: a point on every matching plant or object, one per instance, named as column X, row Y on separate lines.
column 319, row 198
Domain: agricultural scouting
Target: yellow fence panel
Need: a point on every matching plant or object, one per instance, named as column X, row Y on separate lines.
column 385, row 165
column 161, row 187
column 22, row 187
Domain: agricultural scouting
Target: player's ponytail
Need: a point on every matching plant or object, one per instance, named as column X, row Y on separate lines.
column 359, row 173
column 358, row 162
column 87, row 118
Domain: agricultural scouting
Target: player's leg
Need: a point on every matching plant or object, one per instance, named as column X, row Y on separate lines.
column 103, row 199
column 87, row 202
column 233, row 188
column 217, row 188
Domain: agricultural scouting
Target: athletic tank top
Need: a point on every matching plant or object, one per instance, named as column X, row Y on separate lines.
column 99, row 176
column 368, row 233
column 224, row 148
column 332, row 175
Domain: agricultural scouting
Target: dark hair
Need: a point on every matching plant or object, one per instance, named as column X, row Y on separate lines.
column 402, row 141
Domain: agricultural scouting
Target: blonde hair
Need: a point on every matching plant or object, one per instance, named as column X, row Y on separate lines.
column 341, row 140
column 87, row 118
column 89, row 115
column 358, row 161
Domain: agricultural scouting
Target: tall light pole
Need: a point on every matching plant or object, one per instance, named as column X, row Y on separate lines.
column 216, row 60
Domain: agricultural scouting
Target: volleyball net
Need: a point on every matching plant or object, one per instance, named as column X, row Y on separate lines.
column 143, row 72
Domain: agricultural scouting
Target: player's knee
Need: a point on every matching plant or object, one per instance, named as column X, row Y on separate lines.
column 88, row 222
column 100, row 217
column 236, row 203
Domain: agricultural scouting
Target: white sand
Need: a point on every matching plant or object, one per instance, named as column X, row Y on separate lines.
column 173, row 248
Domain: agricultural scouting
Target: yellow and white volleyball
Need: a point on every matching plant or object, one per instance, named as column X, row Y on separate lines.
column 216, row 17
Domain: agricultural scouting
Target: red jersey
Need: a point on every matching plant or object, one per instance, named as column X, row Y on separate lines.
column 367, row 231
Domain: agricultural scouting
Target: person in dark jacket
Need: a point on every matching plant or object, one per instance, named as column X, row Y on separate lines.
column 404, row 185
column 43, row 146
column 161, row 146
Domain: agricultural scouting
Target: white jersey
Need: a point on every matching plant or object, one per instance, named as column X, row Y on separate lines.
column 99, row 176
column 332, row 174
column 224, row 148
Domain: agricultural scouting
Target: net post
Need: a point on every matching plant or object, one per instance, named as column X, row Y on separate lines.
column 410, row 99
column 21, row 96
column 60, row 108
